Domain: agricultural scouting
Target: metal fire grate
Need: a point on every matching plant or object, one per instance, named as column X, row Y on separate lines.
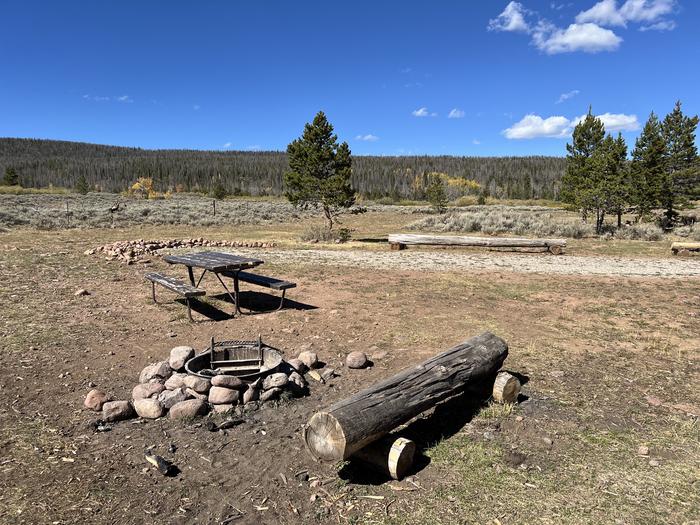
column 236, row 357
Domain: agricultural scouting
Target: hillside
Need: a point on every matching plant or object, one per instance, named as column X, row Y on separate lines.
column 113, row 168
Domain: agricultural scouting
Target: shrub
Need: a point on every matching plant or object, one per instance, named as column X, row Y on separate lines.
column 640, row 231
column 321, row 233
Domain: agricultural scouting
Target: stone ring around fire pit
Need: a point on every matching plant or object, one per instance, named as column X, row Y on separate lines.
column 247, row 360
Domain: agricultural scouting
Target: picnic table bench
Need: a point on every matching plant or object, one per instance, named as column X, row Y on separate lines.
column 262, row 280
column 221, row 264
column 175, row 285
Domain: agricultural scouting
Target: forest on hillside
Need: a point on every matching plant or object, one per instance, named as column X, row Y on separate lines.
column 40, row 163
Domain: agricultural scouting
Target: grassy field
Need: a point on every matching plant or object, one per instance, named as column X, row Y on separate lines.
column 607, row 430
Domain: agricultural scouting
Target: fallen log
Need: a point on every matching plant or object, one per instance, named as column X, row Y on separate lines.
column 399, row 241
column 685, row 247
column 390, row 456
column 354, row 422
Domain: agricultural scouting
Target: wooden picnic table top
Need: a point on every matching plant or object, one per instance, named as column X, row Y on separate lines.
column 214, row 261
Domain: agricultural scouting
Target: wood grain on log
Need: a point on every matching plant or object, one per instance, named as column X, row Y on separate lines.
column 459, row 240
column 354, row 422
column 506, row 388
column 390, row 455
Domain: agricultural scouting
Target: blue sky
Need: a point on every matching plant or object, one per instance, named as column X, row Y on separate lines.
column 232, row 75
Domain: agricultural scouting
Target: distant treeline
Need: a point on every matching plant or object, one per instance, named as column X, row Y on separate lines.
column 40, row 163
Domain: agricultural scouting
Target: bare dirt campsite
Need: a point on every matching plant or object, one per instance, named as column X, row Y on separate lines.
column 605, row 428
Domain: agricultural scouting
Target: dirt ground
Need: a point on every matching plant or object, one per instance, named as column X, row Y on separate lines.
column 606, row 430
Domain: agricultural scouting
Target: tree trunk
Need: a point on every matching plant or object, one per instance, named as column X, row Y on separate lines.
column 354, row 422
column 329, row 216
column 619, row 218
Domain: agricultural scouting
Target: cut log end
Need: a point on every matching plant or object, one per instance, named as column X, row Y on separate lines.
column 506, row 388
column 389, row 456
column 396, row 246
column 324, row 437
column 556, row 250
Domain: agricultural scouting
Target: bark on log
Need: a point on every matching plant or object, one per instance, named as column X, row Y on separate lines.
column 684, row 247
column 354, row 422
column 390, row 456
column 459, row 240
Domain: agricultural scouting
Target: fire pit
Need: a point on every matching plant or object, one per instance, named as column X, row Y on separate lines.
column 247, row 360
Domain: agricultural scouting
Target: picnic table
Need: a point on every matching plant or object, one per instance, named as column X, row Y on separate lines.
column 218, row 263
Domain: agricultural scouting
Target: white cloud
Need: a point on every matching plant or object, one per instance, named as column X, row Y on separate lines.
column 254, row 147
column 606, row 13
column 125, row 98
column 511, row 19
column 227, row 145
column 664, row 25
column 590, row 32
column 456, row 113
column 476, row 142
column 406, row 70
column 603, row 13
column 588, row 37
column 614, row 121
column 367, row 138
column 196, row 107
column 423, row 112
column 533, row 126
column 567, row 96
column 95, row 98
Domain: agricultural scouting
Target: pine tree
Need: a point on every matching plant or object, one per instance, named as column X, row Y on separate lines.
column 678, row 132
column 647, row 168
column 436, row 193
column 587, row 137
column 81, row 185
column 320, row 170
column 10, row 178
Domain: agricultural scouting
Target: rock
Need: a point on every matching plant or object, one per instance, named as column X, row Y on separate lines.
column 179, row 356
column 519, row 418
column 557, row 373
column 149, row 408
column 547, row 441
column 82, row 292
column 252, row 394
column 328, row 373
column 189, row 408
column 198, row 384
column 356, row 360
column 222, row 409
column 227, row 381
column 296, row 384
column 219, row 395
column 117, row 411
column 95, row 399
column 160, row 370
column 177, row 380
column 297, row 365
column 272, row 393
column 654, row 463
column 643, row 450
column 309, row 358
column 277, row 380
column 146, row 390
column 168, row 398
column 196, row 395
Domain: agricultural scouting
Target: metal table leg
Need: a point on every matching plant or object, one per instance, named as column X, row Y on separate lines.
column 235, row 295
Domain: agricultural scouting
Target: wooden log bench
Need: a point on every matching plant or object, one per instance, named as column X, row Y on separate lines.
column 684, row 248
column 266, row 282
column 175, row 285
column 401, row 240
column 353, row 423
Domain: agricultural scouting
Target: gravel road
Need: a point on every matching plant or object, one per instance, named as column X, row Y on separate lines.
column 525, row 263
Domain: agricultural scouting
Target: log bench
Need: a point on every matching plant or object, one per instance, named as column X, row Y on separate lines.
column 684, row 247
column 401, row 240
column 264, row 281
column 175, row 285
